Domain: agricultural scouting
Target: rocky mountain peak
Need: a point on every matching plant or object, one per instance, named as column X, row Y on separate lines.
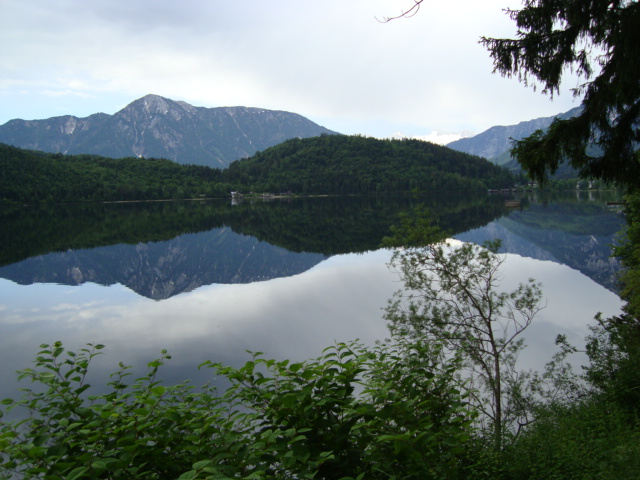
column 153, row 106
column 154, row 126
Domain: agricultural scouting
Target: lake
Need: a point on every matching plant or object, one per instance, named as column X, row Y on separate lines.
column 288, row 277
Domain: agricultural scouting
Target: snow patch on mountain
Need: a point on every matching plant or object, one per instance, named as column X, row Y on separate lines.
column 439, row 138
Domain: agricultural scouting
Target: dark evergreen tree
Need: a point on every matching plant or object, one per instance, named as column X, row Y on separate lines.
column 600, row 40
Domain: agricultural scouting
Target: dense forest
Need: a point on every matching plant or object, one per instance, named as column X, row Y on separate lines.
column 355, row 164
column 35, row 177
column 322, row 165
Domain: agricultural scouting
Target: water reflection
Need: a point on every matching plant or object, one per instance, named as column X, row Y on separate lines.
column 160, row 270
column 163, row 249
column 318, row 291
column 579, row 235
column 294, row 317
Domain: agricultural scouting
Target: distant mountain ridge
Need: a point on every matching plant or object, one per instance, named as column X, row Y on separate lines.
column 494, row 144
column 154, row 126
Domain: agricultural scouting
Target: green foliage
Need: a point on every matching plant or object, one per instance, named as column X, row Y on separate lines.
column 451, row 294
column 406, row 408
column 330, row 164
column 588, row 427
column 614, row 362
column 598, row 40
column 392, row 411
column 598, row 436
column 589, row 439
column 629, row 254
column 143, row 430
column 35, row 177
column 614, row 345
column 338, row 164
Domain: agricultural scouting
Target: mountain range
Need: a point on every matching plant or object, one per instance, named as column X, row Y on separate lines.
column 494, row 144
column 157, row 127
column 154, row 126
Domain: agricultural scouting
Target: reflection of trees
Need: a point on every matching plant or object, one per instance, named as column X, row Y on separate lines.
column 35, row 231
column 322, row 225
column 354, row 224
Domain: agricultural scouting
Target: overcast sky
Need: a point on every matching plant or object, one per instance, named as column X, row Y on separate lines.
column 331, row 61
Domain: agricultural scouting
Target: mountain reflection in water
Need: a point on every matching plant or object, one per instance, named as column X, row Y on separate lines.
column 328, row 279
column 160, row 270
column 579, row 235
column 163, row 249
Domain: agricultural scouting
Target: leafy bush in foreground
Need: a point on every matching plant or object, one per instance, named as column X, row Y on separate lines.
column 393, row 411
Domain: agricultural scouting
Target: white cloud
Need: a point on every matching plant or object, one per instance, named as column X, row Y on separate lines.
column 331, row 61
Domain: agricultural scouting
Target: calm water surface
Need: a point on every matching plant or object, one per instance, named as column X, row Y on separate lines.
column 208, row 282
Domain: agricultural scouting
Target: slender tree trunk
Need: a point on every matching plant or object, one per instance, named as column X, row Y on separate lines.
column 498, row 397
column 497, row 387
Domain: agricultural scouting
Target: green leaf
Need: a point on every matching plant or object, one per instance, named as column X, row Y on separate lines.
column 190, row 475
column 294, row 367
column 201, row 464
column 76, row 473
column 99, row 465
column 158, row 390
column 84, row 387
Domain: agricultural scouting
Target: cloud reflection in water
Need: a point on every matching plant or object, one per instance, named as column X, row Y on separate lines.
column 340, row 299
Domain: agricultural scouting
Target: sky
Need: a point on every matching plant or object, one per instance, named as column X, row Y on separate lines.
column 335, row 62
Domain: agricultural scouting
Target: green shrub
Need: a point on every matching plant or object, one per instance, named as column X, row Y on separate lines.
column 587, row 440
column 390, row 412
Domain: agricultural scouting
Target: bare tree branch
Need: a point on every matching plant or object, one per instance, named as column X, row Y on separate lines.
column 405, row 13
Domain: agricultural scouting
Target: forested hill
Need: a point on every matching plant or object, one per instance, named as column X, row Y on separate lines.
column 354, row 164
column 32, row 177
column 331, row 164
